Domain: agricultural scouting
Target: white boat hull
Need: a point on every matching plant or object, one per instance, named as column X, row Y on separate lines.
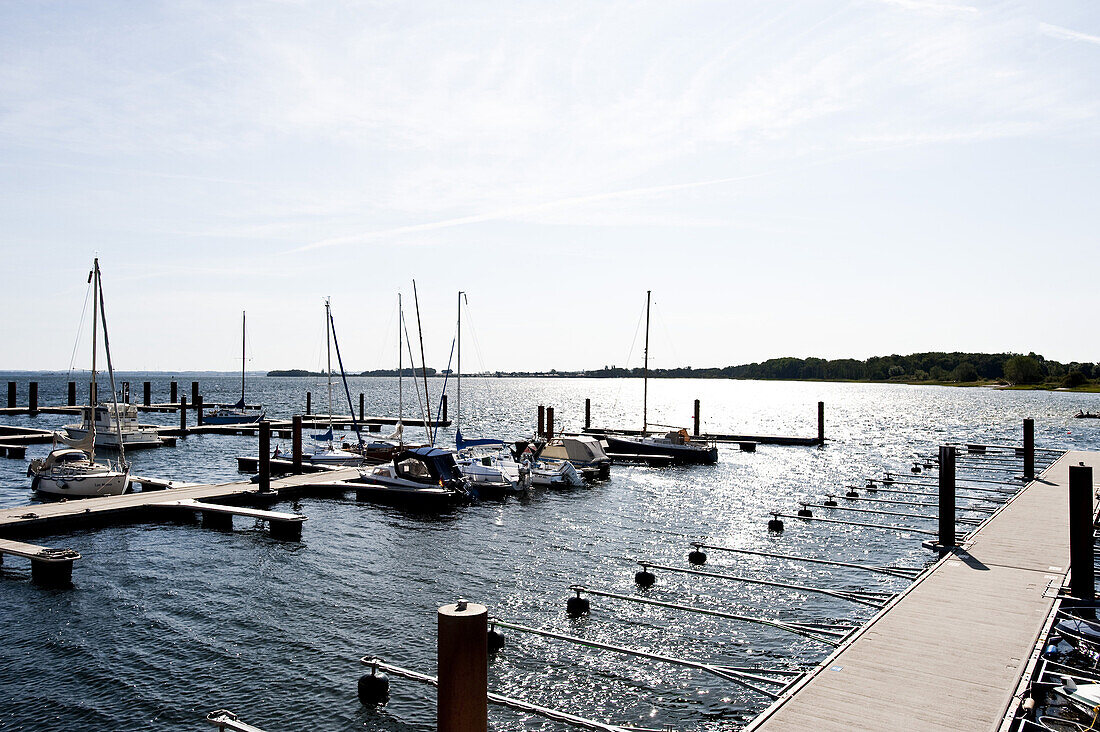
column 110, row 483
column 145, row 437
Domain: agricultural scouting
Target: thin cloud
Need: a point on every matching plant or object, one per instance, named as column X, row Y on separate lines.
column 1067, row 34
column 933, row 7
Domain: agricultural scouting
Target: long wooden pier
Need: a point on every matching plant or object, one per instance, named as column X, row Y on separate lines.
column 949, row 652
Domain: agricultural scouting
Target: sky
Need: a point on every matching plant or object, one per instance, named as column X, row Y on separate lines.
column 830, row 178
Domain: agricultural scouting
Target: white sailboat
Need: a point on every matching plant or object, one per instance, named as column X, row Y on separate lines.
column 486, row 462
column 73, row 471
column 330, row 454
column 238, row 413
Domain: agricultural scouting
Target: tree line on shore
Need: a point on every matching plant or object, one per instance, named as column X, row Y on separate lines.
column 933, row 366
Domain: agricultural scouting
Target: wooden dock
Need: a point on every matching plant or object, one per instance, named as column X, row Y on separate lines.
column 715, row 437
column 949, row 652
column 39, row 519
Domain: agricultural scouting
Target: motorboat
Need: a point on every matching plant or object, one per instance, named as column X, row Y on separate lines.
column 239, row 413
column 73, row 471
column 1084, row 697
column 416, row 474
column 493, row 472
column 554, row 473
column 1082, row 414
column 100, row 421
column 583, row 452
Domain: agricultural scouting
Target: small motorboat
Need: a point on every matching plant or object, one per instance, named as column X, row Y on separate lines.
column 1082, row 414
column 554, row 473
column 582, row 452
column 1084, row 697
column 418, row 474
column 100, row 421
column 496, row 472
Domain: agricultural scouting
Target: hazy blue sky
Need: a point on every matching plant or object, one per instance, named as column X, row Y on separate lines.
column 790, row 178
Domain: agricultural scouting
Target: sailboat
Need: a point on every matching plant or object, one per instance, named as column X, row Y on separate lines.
column 484, row 462
column 675, row 443
column 330, row 454
column 238, row 413
column 73, row 471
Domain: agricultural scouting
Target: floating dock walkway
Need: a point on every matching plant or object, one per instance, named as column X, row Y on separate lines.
column 949, row 652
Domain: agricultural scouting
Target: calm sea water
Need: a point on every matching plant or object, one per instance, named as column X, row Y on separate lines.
column 167, row 622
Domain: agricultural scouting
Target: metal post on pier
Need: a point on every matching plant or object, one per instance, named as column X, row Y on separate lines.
column 173, row 389
column 463, row 662
column 198, row 411
column 296, row 444
column 1082, row 579
column 147, row 396
column 542, row 422
column 696, row 432
column 32, row 397
column 11, row 395
column 1029, row 449
column 947, row 496
column 587, row 413
column 309, row 403
column 72, row 393
column 265, row 456
column 443, row 415
column 821, row 423
column 549, row 423
column 183, row 414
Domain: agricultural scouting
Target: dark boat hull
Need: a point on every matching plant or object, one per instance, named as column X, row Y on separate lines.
column 680, row 454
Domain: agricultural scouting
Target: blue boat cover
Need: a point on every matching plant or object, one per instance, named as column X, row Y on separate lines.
column 462, row 443
column 239, row 404
column 324, row 436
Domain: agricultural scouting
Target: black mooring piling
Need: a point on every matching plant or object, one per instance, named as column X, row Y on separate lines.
column 587, row 413
column 1029, row 449
column 696, row 422
column 947, row 496
column 265, row 456
column 549, row 422
column 443, row 415
column 173, row 391
column 1082, row 580
column 296, row 443
column 183, row 414
column 72, row 393
column 147, row 395
column 32, row 397
column 198, row 411
column 194, row 392
column 361, row 406
column 11, row 395
column 821, row 423
column 309, row 403
column 542, row 422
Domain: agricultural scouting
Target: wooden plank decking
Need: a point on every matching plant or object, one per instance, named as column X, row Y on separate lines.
column 948, row 653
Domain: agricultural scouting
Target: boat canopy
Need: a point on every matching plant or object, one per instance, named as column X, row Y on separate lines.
column 581, row 449
column 427, row 464
column 462, row 443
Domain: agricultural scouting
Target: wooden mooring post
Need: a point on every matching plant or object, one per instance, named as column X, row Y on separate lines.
column 309, row 403
column 360, row 406
column 183, row 414
column 821, row 423
column 72, row 393
column 173, row 390
column 1082, row 580
column 147, row 395
column 1029, row 449
column 587, row 413
column 443, row 415
column 11, row 395
column 549, row 423
column 696, row 429
column 296, row 444
column 198, row 411
column 32, row 397
column 542, row 422
column 463, row 662
column 265, row 456
column 947, row 497
column 195, row 393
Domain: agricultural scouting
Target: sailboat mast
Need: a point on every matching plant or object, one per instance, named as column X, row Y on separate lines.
column 400, row 363
column 328, row 350
column 423, row 370
column 92, row 396
column 242, row 356
column 458, row 386
column 645, row 370
column 110, row 370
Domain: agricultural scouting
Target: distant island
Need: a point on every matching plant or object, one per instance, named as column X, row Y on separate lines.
column 935, row 367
